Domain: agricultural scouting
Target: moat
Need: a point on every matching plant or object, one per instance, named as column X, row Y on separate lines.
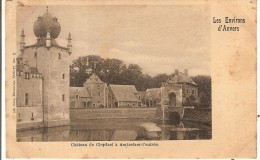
column 117, row 130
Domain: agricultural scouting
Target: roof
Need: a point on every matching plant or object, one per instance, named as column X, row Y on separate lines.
column 181, row 78
column 142, row 94
column 124, row 92
column 153, row 93
column 81, row 91
column 26, row 68
column 93, row 79
column 43, row 43
column 20, row 56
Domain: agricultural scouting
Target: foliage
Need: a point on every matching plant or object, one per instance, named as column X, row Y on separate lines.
column 204, row 89
column 191, row 101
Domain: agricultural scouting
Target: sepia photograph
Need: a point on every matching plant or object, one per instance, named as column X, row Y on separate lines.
column 130, row 79
column 113, row 73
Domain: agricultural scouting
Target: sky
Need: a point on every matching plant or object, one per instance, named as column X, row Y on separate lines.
column 158, row 38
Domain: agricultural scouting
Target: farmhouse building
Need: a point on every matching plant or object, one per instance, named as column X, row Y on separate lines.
column 93, row 94
column 123, row 96
column 96, row 94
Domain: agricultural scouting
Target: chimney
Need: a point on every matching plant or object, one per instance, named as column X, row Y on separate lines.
column 186, row 72
column 176, row 72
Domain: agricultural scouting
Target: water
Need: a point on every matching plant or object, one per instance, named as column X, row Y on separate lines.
column 117, row 130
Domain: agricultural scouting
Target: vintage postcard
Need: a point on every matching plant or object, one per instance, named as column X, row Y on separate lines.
column 130, row 79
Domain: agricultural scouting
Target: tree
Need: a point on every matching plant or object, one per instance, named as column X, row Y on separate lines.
column 204, row 88
column 82, row 68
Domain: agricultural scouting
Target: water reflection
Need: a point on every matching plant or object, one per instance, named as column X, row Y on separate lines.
column 117, row 130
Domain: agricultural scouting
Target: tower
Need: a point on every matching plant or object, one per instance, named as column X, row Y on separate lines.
column 52, row 61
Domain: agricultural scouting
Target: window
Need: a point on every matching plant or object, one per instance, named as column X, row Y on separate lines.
column 139, row 97
column 59, row 55
column 35, row 54
column 63, row 76
column 99, row 94
column 32, row 118
column 26, row 75
column 193, row 91
column 63, row 97
column 99, row 86
column 26, row 99
column 77, row 97
column 19, row 115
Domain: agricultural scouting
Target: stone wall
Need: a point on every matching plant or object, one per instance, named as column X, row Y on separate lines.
column 53, row 64
column 198, row 115
column 147, row 113
column 29, row 117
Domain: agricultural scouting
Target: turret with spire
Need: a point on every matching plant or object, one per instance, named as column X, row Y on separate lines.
column 69, row 44
column 22, row 42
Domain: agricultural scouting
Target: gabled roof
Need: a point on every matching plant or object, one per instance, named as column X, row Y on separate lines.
column 93, row 79
column 181, row 78
column 81, row 91
column 153, row 93
column 26, row 68
column 20, row 56
column 124, row 92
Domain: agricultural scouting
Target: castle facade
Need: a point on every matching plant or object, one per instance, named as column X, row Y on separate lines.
column 43, row 77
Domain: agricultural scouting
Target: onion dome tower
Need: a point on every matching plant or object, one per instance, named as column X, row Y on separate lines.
column 46, row 24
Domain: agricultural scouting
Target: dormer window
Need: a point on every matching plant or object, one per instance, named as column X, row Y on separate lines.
column 59, row 55
column 26, row 75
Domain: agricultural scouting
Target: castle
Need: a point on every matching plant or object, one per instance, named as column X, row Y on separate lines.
column 43, row 77
column 44, row 96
